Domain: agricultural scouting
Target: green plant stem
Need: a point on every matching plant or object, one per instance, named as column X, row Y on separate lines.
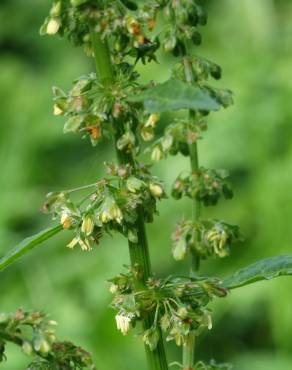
column 194, row 159
column 139, row 252
column 189, row 352
column 11, row 338
column 189, row 346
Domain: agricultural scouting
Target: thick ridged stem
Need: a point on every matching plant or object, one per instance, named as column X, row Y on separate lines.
column 15, row 339
column 139, row 252
column 189, row 346
column 11, row 338
column 189, row 352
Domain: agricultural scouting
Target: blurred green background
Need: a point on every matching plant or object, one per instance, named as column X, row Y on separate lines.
column 252, row 41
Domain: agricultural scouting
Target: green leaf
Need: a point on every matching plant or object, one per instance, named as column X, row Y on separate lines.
column 73, row 124
column 26, row 245
column 266, row 269
column 173, row 95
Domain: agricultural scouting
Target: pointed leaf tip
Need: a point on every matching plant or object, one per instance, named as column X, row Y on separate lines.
column 26, row 245
column 265, row 269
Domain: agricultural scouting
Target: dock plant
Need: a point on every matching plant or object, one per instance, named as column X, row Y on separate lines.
column 112, row 104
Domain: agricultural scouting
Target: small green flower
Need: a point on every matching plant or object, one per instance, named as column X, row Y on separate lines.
column 53, row 26
column 123, row 322
column 87, row 225
column 156, row 190
column 109, row 211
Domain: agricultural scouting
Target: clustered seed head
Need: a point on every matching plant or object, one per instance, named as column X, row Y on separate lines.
column 36, row 335
column 179, row 303
column 205, row 185
column 111, row 206
column 204, row 238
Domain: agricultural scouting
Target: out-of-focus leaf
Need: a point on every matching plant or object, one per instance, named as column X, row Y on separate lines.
column 265, row 269
column 26, row 245
column 175, row 94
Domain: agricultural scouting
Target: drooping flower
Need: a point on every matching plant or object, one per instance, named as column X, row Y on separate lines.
column 66, row 220
column 110, row 211
column 123, row 323
column 87, row 225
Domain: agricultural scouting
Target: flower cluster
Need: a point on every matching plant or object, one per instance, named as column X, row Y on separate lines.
column 204, row 238
column 179, row 305
column 36, row 336
column 128, row 26
column 183, row 18
column 206, row 185
column 113, row 205
column 91, row 108
column 177, row 138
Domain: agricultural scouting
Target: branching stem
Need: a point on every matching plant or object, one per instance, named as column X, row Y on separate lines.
column 139, row 252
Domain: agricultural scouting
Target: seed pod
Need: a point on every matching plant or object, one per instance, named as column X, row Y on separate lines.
column 184, row 149
column 197, row 38
column 216, row 71
column 202, row 16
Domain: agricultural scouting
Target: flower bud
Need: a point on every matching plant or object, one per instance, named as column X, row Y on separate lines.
column 114, row 288
column 57, row 110
column 56, row 9
column 151, row 24
column 156, row 154
column 87, row 225
column 133, row 26
column 27, row 348
column 170, row 44
column 66, row 220
column 152, row 120
column 134, row 184
column 179, row 250
column 110, row 211
column 156, row 190
column 53, row 26
column 182, row 313
column 44, row 347
column 147, row 133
